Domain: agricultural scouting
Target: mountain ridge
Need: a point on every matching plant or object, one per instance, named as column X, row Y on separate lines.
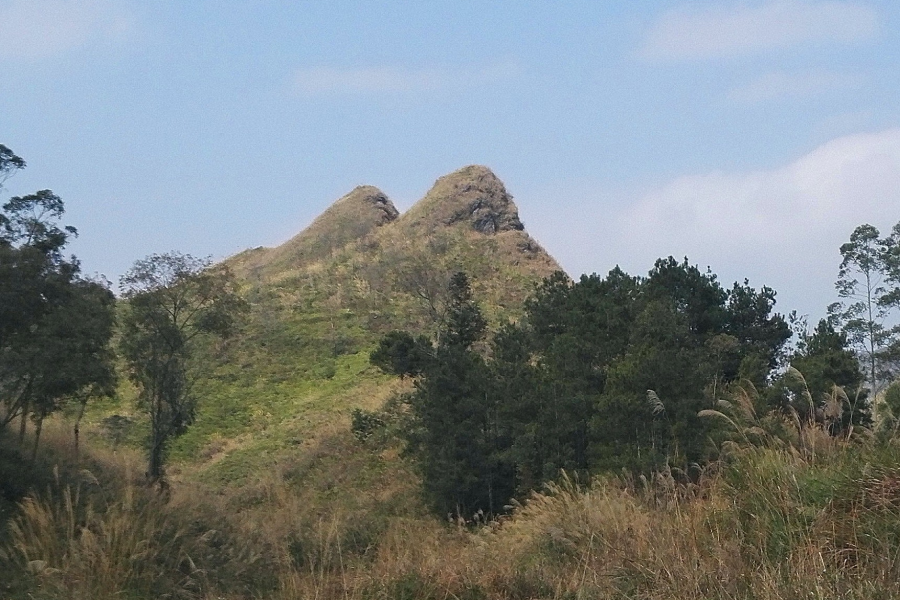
column 471, row 199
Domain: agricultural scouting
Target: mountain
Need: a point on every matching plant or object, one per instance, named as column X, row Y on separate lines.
column 350, row 218
column 362, row 255
column 321, row 301
column 275, row 400
column 470, row 204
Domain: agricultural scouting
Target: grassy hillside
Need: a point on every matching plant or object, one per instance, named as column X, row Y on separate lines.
column 271, row 447
column 802, row 515
column 273, row 496
column 320, row 302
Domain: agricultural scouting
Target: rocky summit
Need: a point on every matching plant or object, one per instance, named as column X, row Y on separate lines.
column 472, row 195
column 467, row 221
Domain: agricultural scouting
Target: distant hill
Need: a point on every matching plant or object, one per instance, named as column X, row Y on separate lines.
column 362, row 255
column 275, row 400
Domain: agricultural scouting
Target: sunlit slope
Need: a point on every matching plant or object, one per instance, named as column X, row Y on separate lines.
column 286, row 384
column 349, row 219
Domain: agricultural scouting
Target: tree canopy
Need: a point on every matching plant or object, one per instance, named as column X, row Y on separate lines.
column 600, row 374
column 171, row 299
column 55, row 325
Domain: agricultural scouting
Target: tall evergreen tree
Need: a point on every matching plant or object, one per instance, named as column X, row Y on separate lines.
column 455, row 437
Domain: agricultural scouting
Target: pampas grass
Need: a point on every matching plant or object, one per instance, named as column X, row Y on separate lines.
column 789, row 512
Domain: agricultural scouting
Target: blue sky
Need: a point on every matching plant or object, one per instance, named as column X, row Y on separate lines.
column 751, row 136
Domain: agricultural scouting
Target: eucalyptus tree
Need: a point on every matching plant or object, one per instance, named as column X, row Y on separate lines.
column 172, row 300
column 864, row 279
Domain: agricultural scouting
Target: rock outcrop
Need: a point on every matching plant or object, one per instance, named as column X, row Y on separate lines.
column 467, row 217
column 472, row 195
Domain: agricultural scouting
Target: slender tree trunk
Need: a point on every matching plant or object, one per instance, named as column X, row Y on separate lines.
column 24, row 404
column 154, row 474
column 154, row 471
column 37, row 437
column 22, row 423
column 77, row 429
column 871, row 331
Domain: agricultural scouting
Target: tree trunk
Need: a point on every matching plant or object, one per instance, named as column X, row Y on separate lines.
column 155, row 466
column 37, row 437
column 77, row 429
column 23, row 422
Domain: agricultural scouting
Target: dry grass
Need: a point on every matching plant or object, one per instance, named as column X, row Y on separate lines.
column 808, row 516
column 82, row 551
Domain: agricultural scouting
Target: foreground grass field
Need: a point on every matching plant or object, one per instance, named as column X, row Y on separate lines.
column 803, row 515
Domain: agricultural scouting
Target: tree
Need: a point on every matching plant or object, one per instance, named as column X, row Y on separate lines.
column 576, row 370
column 67, row 358
column 399, row 353
column 9, row 163
column 750, row 319
column 552, row 367
column 866, row 301
column 891, row 299
column 459, row 441
column 825, row 360
column 55, row 326
column 173, row 299
column 455, row 435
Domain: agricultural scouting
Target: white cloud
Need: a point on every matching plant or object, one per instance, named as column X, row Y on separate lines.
column 34, row 29
column 780, row 85
column 781, row 227
column 315, row 81
column 716, row 32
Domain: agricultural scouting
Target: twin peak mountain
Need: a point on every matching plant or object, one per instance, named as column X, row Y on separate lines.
column 466, row 222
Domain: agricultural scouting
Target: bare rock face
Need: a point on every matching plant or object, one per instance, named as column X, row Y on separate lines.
column 380, row 205
column 472, row 195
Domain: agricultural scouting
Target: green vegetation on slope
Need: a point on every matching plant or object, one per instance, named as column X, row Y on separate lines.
column 280, row 489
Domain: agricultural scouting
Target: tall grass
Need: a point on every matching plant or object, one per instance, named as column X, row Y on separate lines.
column 789, row 512
column 77, row 549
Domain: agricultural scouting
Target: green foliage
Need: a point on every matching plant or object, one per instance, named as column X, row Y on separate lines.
column 454, row 431
column 465, row 322
column 55, row 325
column 826, row 360
column 172, row 299
column 566, row 387
column 399, row 353
column 590, row 350
column 456, row 438
column 886, row 411
column 9, row 164
column 869, row 267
